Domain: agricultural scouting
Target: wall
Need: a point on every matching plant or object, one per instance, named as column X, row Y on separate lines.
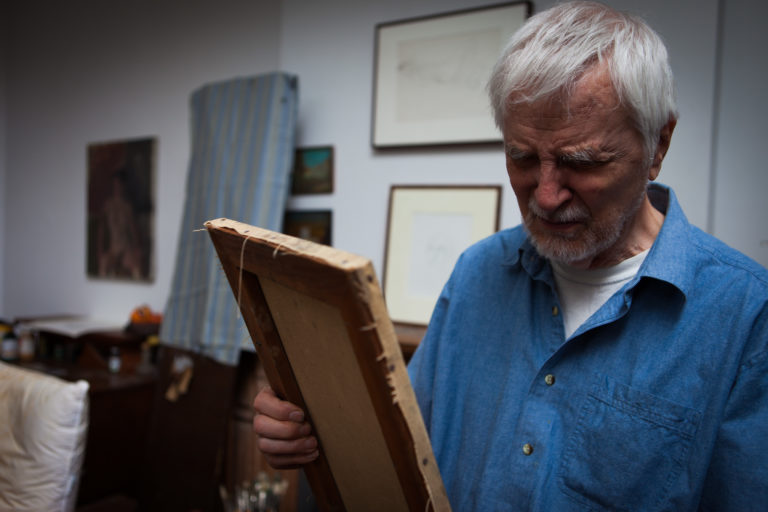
column 739, row 208
column 3, row 46
column 86, row 72
column 92, row 71
column 330, row 45
column 334, row 59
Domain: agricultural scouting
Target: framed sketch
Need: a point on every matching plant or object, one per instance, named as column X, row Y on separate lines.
column 312, row 225
column 313, row 171
column 318, row 322
column 427, row 229
column 120, row 209
column 430, row 75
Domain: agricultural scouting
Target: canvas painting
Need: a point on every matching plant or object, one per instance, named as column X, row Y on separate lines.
column 312, row 225
column 121, row 210
column 313, row 171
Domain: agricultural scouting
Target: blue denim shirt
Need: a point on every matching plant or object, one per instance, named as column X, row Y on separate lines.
column 659, row 401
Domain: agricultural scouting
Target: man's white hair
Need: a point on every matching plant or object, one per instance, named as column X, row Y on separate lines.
column 554, row 48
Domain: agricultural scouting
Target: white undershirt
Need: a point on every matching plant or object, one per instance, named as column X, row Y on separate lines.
column 582, row 292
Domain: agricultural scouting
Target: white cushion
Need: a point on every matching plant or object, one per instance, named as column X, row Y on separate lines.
column 43, row 422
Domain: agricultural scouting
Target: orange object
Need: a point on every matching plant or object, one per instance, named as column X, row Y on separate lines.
column 144, row 315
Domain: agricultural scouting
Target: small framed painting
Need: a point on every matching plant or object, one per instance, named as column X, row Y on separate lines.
column 312, row 225
column 428, row 227
column 313, row 171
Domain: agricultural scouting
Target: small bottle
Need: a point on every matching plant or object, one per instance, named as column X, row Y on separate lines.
column 26, row 345
column 114, row 362
column 145, row 364
column 9, row 350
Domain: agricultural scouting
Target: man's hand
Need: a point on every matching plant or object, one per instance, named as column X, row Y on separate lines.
column 283, row 434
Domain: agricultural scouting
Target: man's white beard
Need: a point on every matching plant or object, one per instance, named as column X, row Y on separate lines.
column 594, row 240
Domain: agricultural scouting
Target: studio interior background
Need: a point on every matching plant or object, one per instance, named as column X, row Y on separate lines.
column 87, row 71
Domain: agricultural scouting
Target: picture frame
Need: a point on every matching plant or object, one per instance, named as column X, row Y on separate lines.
column 427, row 229
column 430, row 75
column 121, row 209
column 312, row 225
column 317, row 320
column 312, row 171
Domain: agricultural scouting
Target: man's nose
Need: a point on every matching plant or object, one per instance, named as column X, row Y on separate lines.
column 551, row 192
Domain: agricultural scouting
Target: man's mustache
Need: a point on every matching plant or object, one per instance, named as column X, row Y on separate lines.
column 570, row 213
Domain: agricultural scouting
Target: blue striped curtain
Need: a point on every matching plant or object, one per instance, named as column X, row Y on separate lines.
column 243, row 138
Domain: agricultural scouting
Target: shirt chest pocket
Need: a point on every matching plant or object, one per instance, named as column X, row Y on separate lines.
column 627, row 450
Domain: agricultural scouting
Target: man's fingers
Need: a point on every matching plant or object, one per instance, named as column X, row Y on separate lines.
column 267, row 403
column 283, row 435
column 290, row 461
column 299, row 447
column 269, row 427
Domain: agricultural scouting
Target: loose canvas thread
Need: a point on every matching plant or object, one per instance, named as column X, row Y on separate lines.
column 240, row 274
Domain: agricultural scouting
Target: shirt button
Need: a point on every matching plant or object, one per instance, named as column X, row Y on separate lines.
column 555, row 311
column 549, row 379
column 527, row 449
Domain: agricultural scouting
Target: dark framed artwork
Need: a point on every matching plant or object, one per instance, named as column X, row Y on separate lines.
column 121, row 209
column 430, row 75
column 427, row 229
column 312, row 225
column 313, row 171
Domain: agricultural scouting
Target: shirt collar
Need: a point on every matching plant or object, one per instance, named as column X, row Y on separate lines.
column 668, row 260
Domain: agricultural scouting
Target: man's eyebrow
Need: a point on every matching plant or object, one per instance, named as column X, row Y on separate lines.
column 516, row 153
column 588, row 155
column 580, row 155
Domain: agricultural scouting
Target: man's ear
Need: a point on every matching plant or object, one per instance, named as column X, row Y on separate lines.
column 665, row 137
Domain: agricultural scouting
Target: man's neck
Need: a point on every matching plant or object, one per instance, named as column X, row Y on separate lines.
column 639, row 235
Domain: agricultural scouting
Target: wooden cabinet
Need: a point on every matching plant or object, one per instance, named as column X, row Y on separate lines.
column 120, row 413
column 120, row 409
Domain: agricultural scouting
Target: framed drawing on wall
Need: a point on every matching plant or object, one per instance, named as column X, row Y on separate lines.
column 121, row 209
column 430, row 75
column 318, row 322
column 427, row 229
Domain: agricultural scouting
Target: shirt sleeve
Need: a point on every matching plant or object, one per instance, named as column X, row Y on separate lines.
column 738, row 475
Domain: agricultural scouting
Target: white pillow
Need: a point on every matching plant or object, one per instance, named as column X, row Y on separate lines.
column 43, row 422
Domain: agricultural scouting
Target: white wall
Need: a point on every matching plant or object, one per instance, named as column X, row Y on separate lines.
column 94, row 71
column 329, row 44
column 740, row 210
column 3, row 47
column 89, row 71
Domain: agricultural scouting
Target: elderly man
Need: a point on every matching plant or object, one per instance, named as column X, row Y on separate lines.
column 606, row 355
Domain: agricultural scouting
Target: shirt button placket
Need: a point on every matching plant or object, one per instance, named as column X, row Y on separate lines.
column 549, row 380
